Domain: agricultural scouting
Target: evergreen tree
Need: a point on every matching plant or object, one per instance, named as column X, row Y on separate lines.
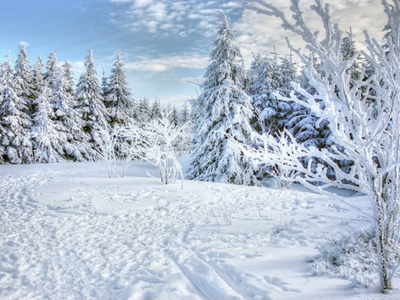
column 174, row 116
column 74, row 142
column 222, row 113
column 144, row 113
column 89, row 99
column 24, row 78
column 267, row 78
column 37, row 78
column 155, row 111
column 263, row 82
column 48, row 140
column 184, row 114
column 68, row 78
column 104, row 85
column 119, row 101
column 14, row 121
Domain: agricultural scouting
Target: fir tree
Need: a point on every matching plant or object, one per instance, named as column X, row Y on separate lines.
column 144, row 113
column 37, row 77
column 263, row 82
column 74, row 142
column 24, row 78
column 14, row 122
column 119, row 101
column 48, row 139
column 221, row 119
column 68, row 78
column 89, row 99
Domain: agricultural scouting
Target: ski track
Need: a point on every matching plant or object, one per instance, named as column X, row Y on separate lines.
column 109, row 242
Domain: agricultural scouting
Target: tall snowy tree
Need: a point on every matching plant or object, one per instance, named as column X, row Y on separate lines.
column 69, row 81
column 14, row 119
column 37, row 77
column 48, row 140
column 68, row 122
column 119, row 100
column 24, row 78
column 89, row 99
column 269, row 76
column 221, row 119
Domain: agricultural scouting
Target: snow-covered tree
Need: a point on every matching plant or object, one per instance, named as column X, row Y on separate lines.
column 119, row 100
column 69, row 81
column 75, row 145
column 144, row 114
column 160, row 138
column 367, row 132
column 24, row 78
column 48, row 140
column 268, row 76
column 155, row 110
column 222, row 112
column 14, row 119
column 89, row 99
column 37, row 77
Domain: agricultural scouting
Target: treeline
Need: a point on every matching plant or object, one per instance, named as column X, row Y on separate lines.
column 237, row 106
column 46, row 117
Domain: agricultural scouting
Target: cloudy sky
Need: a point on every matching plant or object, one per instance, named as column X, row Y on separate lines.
column 165, row 43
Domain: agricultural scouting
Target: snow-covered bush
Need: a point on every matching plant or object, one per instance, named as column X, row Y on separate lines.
column 158, row 149
column 352, row 256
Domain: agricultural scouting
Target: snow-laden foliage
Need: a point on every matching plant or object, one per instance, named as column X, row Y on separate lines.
column 364, row 118
column 14, row 119
column 48, row 140
column 158, row 148
column 223, row 110
column 118, row 100
column 89, row 99
column 69, row 125
column 352, row 256
column 268, row 76
column 37, row 78
column 23, row 77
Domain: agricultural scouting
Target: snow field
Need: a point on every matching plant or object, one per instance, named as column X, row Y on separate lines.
column 69, row 232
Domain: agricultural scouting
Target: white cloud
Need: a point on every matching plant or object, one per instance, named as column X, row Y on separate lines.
column 258, row 33
column 184, row 14
column 162, row 64
column 78, row 67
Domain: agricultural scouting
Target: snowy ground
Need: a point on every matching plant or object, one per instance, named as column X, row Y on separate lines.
column 69, row 232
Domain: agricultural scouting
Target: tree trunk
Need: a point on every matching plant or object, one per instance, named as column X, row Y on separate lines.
column 381, row 244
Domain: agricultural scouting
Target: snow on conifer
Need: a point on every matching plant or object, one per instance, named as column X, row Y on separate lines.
column 24, row 78
column 37, row 77
column 89, row 99
column 15, row 121
column 75, row 145
column 222, row 112
column 119, row 101
column 48, row 140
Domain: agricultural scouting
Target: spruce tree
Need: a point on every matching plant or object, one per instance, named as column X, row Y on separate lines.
column 15, row 121
column 222, row 112
column 263, row 82
column 37, row 78
column 119, row 100
column 24, row 78
column 74, row 145
column 48, row 140
column 89, row 100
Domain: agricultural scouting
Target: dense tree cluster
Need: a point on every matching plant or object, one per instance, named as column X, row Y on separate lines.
column 46, row 117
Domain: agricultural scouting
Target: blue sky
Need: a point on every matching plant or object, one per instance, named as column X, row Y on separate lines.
column 165, row 43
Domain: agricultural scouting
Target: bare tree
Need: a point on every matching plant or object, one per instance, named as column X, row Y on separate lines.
column 364, row 117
